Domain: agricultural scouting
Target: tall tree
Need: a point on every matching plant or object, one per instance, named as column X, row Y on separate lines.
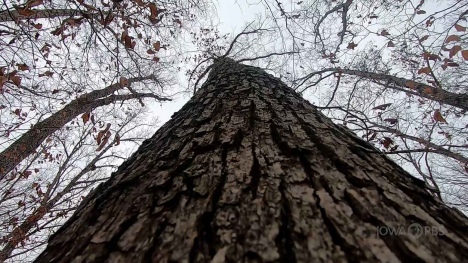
column 249, row 171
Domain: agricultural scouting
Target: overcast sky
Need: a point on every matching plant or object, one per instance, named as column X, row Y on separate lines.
column 232, row 16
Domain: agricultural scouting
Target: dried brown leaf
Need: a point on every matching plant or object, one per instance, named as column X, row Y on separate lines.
column 384, row 33
column 16, row 80
column 392, row 121
column 123, row 82
column 454, row 50
column 424, row 38
column 22, row 67
column 85, row 117
column 128, row 42
column 157, row 46
column 460, row 28
column 351, row 45
column 140, row 2
column 438, row 116
column 424, row 70
column 58, row 31
column 465, row 54
column 431, row 56
column 386, row 142
column 104, row 140
column 153, row 9
column 33, row 3
column 382, row 107
column 452, row 38
column 25, row 12
column 47, row 73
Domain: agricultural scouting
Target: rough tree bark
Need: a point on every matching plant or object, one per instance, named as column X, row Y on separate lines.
column 248, row 171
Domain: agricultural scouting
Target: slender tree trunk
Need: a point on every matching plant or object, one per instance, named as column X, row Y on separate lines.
column 406, row 85
column 29, row 141
column 12, row 15
column 429, row 145
column 248, row 171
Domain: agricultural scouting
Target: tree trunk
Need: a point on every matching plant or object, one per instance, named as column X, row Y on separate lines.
column 13, row 15
column 416, row 88
column 248, row 171
column 29, row 141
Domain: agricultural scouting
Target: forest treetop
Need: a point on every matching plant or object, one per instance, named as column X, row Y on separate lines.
column 392, row 71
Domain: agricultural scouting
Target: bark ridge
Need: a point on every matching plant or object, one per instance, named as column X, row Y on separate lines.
column 248, row 171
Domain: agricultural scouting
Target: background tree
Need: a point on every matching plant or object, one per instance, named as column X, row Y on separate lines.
column 84, row 50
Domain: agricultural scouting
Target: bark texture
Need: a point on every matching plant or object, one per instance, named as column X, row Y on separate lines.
column 248, row 171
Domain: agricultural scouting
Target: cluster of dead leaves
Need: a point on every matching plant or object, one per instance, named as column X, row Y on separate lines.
column 456, row 48
column 9, row 77
column 103, row 135
column 386, row 142
column 26, row 10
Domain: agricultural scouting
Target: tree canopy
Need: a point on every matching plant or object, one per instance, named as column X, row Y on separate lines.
column 79, row 79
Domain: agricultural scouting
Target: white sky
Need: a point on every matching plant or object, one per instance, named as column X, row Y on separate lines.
column 232, row 16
